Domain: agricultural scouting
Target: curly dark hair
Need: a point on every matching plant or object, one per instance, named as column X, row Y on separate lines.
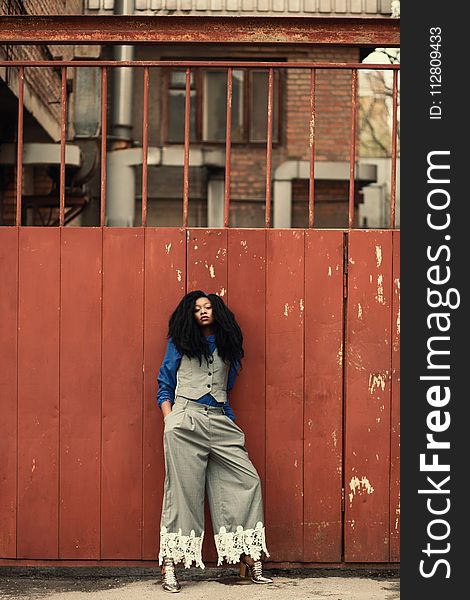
column 189, row 339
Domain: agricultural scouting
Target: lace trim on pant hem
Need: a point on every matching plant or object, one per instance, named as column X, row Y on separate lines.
column 232, row 544
column 181, row 548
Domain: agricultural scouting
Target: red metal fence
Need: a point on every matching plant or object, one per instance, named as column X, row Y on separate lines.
column 83, row 316
column 84, row 313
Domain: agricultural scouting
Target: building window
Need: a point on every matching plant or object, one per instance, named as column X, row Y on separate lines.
column 176, row 99
column 209, row 106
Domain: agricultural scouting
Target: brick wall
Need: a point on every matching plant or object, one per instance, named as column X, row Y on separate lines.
column 248, row 162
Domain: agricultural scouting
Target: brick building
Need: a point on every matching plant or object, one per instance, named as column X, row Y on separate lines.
column 291, row 127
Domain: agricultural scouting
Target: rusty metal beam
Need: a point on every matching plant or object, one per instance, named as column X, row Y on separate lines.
column 119, row 29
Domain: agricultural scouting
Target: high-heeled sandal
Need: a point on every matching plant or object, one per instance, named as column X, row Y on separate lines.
column 254, row 571
column 169, row 581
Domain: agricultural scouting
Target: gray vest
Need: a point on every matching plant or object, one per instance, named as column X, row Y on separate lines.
column 194, row 380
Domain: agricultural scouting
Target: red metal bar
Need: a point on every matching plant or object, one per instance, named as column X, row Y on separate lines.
column 104, row 90
column 393, row 178
column 352, row 147
column 228, row 142
column 145, row 146
column 126, row 29
column 63, row 131
column 269, row 149
column 311, row 213
column 196, row 63
column 187, row 117
column 19, row 155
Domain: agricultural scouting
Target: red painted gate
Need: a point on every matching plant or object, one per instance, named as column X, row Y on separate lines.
column 83, row 318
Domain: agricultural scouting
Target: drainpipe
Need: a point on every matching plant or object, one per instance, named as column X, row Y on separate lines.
column 120, row 180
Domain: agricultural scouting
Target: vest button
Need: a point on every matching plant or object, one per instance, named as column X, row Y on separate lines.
column 208, row 385
column 209, row 373
column 211, row 360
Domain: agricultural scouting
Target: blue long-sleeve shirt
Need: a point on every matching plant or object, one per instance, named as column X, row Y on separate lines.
column 167, row 378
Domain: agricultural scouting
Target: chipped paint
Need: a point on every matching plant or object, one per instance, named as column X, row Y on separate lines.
column 376, row 457
column 211, row 271
column 168, row 248
column 296, row 464
column 377, row 420
column 378, row 255
column 335, row 440
column 222, row 292
column 33, row 468
column 359, row 487
column 329, row 271
column 377, row 380
column 359, row 311
column 301, row 302
column 178, row 274
column 352, row 262
column 339, row 356
column 370, row 278
column 380, row 290
column 312, row 130
column 244, row 245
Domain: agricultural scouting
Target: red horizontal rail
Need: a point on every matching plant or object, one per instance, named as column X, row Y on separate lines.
column 211, row 30
column 196, row 63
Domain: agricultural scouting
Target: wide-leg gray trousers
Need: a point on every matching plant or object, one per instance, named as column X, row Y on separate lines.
column 204, row 449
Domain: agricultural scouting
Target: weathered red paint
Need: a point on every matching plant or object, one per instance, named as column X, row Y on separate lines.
column 38, row 393
column 19, row 148
column 367, row 396
column 121, row 29
column 285, row 294
column 165, row 277
column 122, row 395
column 90, row 467
column 323, row 395
column 8, row 388
column 395, row 408
column 80, row 393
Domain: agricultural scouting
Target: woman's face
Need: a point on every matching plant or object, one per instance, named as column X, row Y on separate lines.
column 203, row 312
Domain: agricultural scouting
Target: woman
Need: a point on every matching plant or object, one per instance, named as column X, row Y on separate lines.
column 203, row 446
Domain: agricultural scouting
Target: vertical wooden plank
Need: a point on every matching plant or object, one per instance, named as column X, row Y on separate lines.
column 165, row 277
column 80, row 393
column 122, row 389
column 207, row 271
column 38, row 392
column 395, row 411
column 247, row 280
column 367, row 416
column 284, row 392
column 8, row 388
column 323, row 413
column 207, row 261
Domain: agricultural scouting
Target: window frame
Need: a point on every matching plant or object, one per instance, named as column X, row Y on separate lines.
column 247, row 116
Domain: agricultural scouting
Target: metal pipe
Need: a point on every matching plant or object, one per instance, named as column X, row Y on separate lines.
column 228, row 143
column 145, row 146
column 19, row 155
column 393, row 177
column 269, row 149
column 352, row 148
column 311, row 208
column 123, row 80
column 104, row 88
column 63, row 131
column 197, row 63
column 187, row 119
